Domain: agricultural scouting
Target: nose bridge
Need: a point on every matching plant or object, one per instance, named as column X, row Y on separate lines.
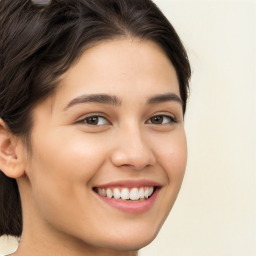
column 132, row 148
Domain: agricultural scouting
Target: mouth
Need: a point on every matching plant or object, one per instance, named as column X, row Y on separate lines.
column 126, row 194
column 131, row 198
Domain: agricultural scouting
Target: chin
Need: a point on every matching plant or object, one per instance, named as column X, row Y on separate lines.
column 129, row 245
column 133, row 242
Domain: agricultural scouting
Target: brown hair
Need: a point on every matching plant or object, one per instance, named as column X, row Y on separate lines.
column 38, row 43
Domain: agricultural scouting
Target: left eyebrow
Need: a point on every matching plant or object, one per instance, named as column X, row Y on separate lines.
column 95, row 98
column 165, row 97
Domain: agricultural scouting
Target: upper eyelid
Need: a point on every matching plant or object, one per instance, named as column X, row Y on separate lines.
column 164, row 113
column 98, row 114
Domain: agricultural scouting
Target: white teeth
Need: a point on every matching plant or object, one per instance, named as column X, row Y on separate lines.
column 109, row 193
column 102, row 191
column 141, row 193
column 125, row 194
column 150, row 191
column 133, row 194
column 117, row 193
column 146, row 193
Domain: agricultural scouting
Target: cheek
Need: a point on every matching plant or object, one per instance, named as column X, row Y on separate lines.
column 172, row 156
column 62, row 166
column 70, row 155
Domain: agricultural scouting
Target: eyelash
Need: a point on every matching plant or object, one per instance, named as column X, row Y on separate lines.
column 96, row 118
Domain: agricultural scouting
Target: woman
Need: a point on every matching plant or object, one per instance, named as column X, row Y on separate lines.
column 92, row 141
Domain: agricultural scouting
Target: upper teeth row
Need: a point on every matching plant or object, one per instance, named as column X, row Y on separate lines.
column 125, row 193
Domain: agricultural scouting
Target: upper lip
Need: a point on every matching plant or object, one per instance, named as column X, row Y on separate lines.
column 130, row 184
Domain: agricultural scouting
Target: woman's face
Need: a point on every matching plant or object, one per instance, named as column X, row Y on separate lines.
column 114, row 126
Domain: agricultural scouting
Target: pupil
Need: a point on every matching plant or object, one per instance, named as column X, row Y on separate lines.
column 157, row 119
column 93, row 120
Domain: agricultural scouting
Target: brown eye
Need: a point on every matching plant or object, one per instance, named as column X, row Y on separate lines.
column 161, row 119
column 156, row 119
column 95, row 120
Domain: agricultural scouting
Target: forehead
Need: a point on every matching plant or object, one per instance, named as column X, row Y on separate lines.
column 122, row 67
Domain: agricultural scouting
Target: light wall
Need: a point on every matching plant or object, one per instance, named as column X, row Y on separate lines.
column 215, row 213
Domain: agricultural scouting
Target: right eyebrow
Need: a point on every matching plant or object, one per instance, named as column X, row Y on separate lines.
column 165, row 97
column 95, row 98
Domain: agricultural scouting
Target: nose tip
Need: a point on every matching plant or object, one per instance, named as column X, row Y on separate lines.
column 133, row 153
column 136, row 161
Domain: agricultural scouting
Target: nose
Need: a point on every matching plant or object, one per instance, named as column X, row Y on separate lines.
column 131, row 149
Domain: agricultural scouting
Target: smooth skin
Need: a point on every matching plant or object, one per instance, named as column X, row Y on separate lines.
column 79, row 142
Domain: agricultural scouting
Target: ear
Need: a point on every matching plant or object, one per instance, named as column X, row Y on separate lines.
column 12, row 156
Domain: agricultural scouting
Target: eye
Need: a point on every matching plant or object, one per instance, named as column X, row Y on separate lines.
column 162, row 119
column 94, row 120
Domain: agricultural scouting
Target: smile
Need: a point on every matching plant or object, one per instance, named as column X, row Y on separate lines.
column 126, row 194
column 129, row 197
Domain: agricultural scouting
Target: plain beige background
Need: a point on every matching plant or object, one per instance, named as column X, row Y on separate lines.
column 215, row 214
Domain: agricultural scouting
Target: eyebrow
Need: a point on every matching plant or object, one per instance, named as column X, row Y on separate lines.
column 95, row 98
column 115, row 101
column 165, row 97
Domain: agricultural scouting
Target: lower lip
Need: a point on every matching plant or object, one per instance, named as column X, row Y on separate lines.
column 133, row 207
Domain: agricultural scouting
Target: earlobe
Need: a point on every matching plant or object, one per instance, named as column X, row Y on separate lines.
column 11, row 153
